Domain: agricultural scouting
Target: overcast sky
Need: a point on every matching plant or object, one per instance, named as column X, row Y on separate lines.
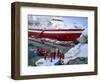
column 68, row 20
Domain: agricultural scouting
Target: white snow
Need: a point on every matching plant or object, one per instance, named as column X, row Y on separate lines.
column 47, row 62
column 79, row 50
column 83, row 50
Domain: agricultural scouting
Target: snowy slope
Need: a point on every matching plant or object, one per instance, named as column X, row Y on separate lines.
column 79, row 50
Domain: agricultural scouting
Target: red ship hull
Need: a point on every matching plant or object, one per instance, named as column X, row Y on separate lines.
column 62, row 35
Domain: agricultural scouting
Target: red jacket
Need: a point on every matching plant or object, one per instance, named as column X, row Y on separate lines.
column 42, row 50
column 52, row 54
column 62, row 55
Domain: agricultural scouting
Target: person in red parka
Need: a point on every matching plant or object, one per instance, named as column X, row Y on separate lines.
column 61, row 57
column 45, row 55
column 43, row 52
column 52, row 55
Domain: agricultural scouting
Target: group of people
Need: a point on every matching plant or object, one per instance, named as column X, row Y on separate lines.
column 57, row 53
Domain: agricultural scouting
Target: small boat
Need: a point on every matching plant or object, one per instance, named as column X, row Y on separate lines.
column 58, row 34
